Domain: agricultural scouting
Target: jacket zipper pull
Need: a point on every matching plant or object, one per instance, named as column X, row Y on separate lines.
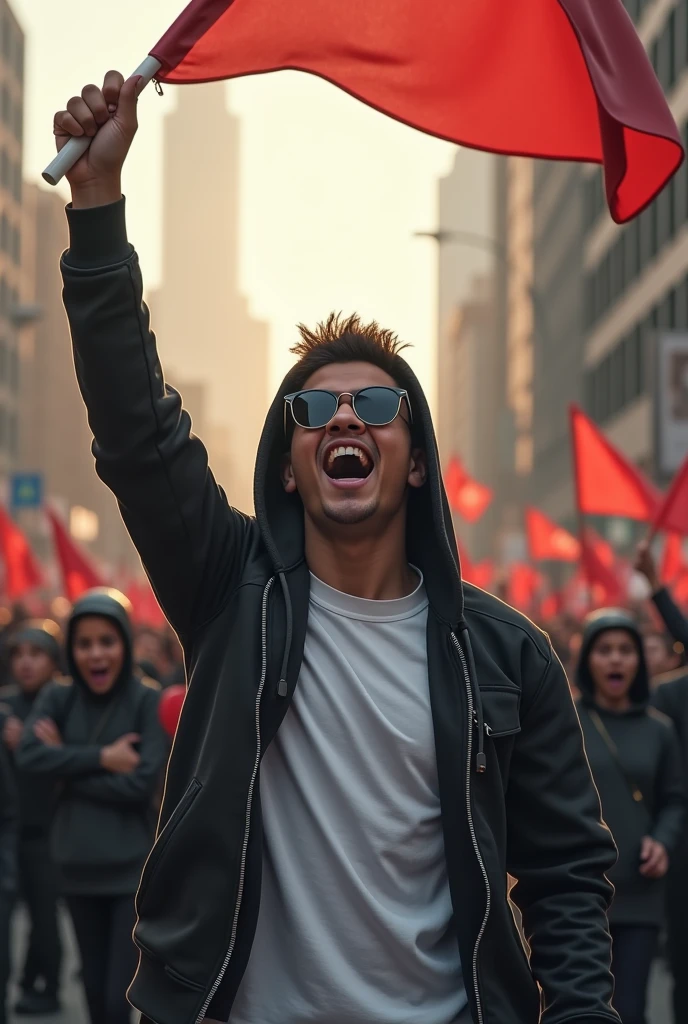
column 480, row 759
column 282, row 688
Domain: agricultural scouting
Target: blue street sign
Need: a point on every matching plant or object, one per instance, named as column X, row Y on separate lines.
column 26, row 490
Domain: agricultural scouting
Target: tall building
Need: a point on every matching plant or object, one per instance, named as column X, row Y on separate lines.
column 636, row 281
column 205, row 330
column 11, row 121
column 54, row 436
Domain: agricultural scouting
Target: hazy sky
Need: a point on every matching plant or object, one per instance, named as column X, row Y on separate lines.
column 331, row 190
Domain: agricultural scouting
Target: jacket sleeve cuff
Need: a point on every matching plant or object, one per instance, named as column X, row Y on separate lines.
column 97, row 236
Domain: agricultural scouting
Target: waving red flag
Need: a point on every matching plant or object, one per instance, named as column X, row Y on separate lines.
column 607, row 483
column 547, row 541
column 145, row 609
column 465, row 495
column 523, row 585
column 562, row 79
column 673, row 513
column 22, row 572
column 673, row 565
column 78, row 574
column 480, row 574
column 607, row 577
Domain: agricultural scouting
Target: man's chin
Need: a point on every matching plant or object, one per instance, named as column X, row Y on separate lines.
column 350, row 511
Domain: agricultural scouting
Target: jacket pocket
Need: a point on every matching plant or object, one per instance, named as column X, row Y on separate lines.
column 501, row 711
column 163, row 839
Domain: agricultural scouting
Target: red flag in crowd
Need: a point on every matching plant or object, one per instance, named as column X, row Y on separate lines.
column 565, row 79
column 673, row 564
column 145, row 609
column 523, row 585
column 480, row 574
column 673, row 513
column 78, row 574
column 550, row 606
column 22, row 572
column 607, row 483
column 465, row 495
column 547, row 541
column 607, row 577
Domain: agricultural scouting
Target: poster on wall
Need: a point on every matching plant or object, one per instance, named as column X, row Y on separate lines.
column 671, row 401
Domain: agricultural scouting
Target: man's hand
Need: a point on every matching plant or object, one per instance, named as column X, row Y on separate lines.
column 47, row 732
column 645, row 564
column 654, row 860
column 108, row 116
column 120, row 756
column 12, row 732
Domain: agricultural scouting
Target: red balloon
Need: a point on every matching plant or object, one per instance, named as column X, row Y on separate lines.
column 170, row 708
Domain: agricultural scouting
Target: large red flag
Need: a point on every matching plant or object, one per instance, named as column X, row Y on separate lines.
column 78, row 574
column 607, row 483
column 22, row 572
column 465, row 495
column 563, row 79
column 547, row 541
column 673, row 513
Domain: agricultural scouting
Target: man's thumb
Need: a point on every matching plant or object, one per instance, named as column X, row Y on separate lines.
column 128, row 95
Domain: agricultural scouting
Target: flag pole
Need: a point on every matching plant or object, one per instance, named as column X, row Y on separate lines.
column 77, row 145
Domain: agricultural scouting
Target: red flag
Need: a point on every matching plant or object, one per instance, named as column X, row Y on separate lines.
column 547, row 541
column 523, row 584
column 480, row 574
column 673, row 513
column 465, row 495
column 22, row 572
column 563, row 79
column 607, row 483
column 551, row 606
column 681, row 589
column 673, row 564
column 78, row 574
column 607, row 577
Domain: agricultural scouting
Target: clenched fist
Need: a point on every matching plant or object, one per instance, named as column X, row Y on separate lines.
column 108, row 116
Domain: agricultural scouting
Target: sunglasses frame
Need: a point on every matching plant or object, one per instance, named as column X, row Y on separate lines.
column 401, row 394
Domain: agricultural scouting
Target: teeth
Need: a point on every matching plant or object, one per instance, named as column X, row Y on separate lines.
column 347, row 450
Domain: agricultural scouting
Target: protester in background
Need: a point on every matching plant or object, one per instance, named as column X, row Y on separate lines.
column 661, row 654
column 635, row 761
column 672, row 616
column 101, row 736
column 8, row 871
column 34, row 657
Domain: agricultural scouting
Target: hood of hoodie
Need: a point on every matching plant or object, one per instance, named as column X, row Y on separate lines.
column 108, row 604
column 601, row 622
column 431, row 544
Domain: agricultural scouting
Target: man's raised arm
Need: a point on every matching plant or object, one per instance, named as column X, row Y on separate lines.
column 190, row 540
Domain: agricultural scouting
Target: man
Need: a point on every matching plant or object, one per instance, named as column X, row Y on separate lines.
column 34, row 652
column 334, row 852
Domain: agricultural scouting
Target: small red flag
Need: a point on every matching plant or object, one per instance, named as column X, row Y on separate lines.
column 562, row 79
column 672, row 515
column 547, row 541
column 607, row 577
column 465, row 495
column 480, row 574
column 145, row 610
column 78, row 574
column 551, row 606
column 607, row 483
column 673, row 564
column 523, row 585
column 22, row 572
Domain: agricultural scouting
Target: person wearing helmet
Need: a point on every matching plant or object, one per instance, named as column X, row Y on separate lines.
column 101, row 737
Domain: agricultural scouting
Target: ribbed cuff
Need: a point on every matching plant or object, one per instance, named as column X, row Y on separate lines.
column 97, row 236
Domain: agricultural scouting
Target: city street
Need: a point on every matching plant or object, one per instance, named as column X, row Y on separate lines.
column 74, row 1011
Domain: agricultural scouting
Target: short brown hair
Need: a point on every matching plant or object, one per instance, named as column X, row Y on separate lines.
column 341, row 339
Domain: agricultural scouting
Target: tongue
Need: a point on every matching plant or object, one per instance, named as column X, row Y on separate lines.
column 347, row 466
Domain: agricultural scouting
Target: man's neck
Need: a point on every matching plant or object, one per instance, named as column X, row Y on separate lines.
column 373, row 567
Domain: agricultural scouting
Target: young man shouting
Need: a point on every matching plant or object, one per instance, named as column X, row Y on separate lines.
column 367, row 748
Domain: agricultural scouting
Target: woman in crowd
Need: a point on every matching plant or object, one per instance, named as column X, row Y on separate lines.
column 101, row 737
column 635, row 760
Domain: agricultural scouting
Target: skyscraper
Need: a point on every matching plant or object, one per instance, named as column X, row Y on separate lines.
column 206, row 332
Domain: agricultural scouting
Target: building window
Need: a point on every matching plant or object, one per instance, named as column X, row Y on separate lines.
column 633, row 364
column 14, row 370
column 19, row 121
column 617, row 390
column 602, row 402
column 17, row 182
column 17, row 246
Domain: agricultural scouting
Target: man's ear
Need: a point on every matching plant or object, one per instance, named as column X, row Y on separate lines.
column 418, row 468
column 288, row 481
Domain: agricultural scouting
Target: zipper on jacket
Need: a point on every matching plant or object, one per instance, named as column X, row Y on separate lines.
column 249, row 803
column 472, row 719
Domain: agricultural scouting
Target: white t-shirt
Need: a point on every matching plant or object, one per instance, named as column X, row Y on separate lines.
column 355, row 923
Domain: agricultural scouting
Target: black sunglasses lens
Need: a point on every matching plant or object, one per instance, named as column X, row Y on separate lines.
column 377, row 406
column 314, row 408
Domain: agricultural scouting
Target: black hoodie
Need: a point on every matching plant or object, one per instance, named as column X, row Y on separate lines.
column 103, row 828
column 648, row 761
column 515, row 788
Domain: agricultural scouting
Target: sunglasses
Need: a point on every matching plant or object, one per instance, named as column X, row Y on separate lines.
column 374, row 406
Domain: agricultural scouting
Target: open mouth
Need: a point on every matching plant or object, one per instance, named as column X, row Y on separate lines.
column 347, row 462
column 616, row 678
column 99, row 675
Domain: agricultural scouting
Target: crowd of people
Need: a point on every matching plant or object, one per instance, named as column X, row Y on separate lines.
column 82, row 764
column 83, row 755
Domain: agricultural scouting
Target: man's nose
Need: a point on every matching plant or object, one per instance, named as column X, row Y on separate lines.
column 345, row 419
